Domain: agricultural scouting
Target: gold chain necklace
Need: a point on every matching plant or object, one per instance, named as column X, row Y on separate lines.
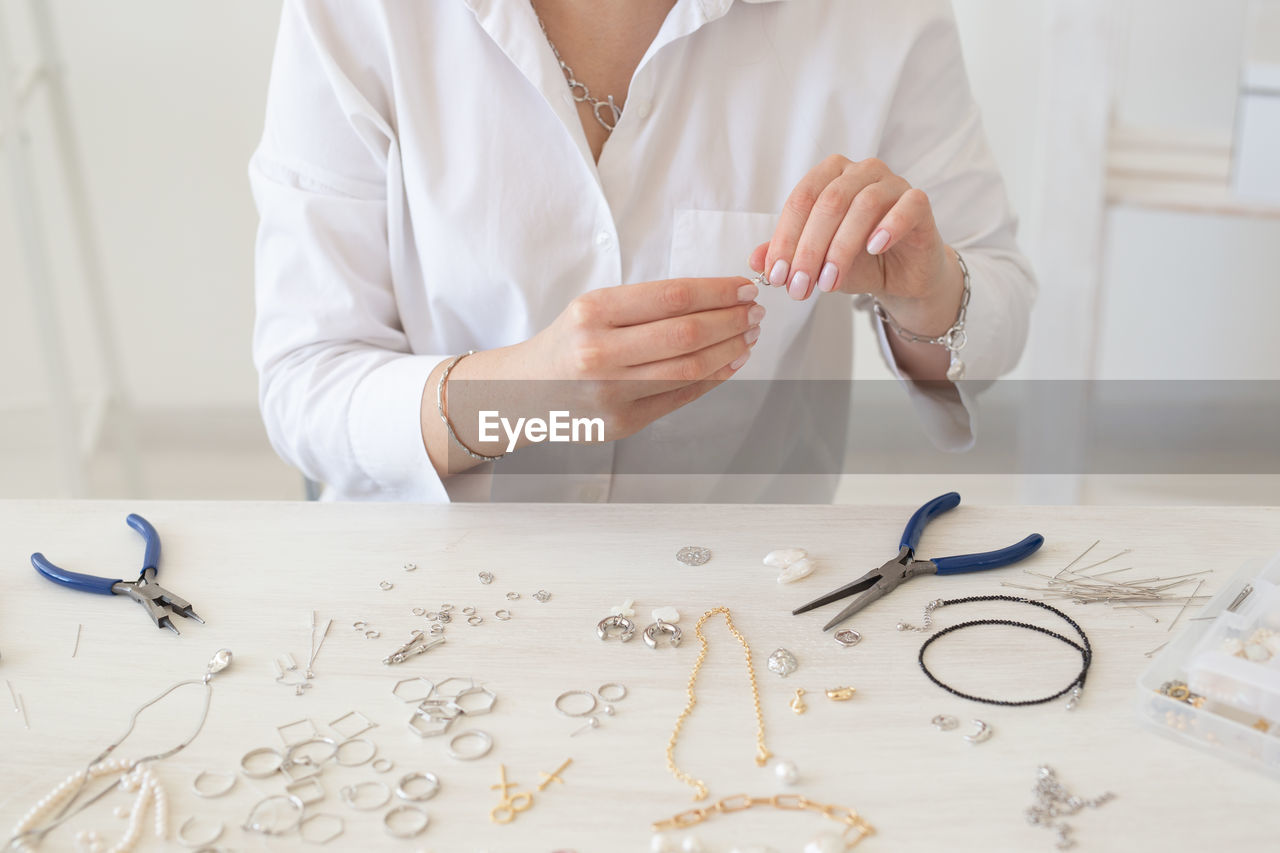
column 762, row 751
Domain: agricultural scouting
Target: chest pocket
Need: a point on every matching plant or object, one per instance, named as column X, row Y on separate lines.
column 718, row 243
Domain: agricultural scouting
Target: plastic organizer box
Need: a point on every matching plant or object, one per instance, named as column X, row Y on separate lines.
column 1216, row 686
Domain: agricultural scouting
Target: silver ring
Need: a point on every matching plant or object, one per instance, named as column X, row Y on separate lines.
column 350, row 795
column 202, row 842
column 217, row 792
column 469, row 610
column 418, row 611
column 617, row 692
column 433, row 787
column 410, row 567
column 673, row 631
column 372, row 634
column 446, row 608
column 314, row 839
column 622, row 623
column 513, row 596
column 337, row 753
column 408, row 831
column 474, row 620
column 385, row 585
column 251, row 825
column 594, row 702
column 486, row 744
column 503, row 615
column 307, row 759
column 383, row 765
column 944, row 722
column 261, row 772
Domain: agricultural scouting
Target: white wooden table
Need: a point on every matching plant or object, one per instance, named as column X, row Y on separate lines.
column 256, row 572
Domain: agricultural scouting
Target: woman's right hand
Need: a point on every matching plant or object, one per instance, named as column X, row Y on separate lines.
column 628, row 355
column 634, row 353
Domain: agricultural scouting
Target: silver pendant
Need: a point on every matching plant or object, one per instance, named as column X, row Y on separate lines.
column 782, row 662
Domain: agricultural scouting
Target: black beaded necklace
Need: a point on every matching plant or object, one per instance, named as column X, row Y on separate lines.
column 1083, row 647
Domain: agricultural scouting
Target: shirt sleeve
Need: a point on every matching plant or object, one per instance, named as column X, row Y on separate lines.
column 339, row 387
column 934, row 138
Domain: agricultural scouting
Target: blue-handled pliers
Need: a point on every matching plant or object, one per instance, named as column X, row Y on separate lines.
column 877, row 583
column 155, row 599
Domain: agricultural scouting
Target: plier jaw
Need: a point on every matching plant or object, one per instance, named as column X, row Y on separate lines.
column 878, row 583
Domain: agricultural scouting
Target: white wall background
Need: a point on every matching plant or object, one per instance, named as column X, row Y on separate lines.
column 168, row 99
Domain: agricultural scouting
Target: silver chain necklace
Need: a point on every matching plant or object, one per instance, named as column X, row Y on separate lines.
column 581, row 93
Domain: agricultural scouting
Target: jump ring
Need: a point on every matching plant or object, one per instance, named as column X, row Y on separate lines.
column 351, row 795
column 409, row 831
column 568, row 693
column 433, row 787
column 486, row 744
column 261, row 772
column 251, row 825
column 337, row 753
column 384, row 585
column 201, row 842
column 383, row 765
column 617, row 692
column 216, row 792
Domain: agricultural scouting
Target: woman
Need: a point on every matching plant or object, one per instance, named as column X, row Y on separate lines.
column 567, row 187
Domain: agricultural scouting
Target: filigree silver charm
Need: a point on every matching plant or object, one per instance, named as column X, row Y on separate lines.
column 782, row 662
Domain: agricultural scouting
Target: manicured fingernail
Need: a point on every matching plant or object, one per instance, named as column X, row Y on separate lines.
column 799, row 285
column 752, row 335
column 778, row 275
column 748, row 292
column 827, row 279
column 878, row 241
column 737, row 363
column 755, row 315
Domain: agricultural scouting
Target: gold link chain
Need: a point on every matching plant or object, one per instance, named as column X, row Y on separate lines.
column 856, row 828
column 762, row 751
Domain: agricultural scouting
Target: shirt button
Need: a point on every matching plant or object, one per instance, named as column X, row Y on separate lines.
column 644, row 108
column 604, row 238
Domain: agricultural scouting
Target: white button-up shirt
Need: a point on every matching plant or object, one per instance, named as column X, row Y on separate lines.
column 426, row 188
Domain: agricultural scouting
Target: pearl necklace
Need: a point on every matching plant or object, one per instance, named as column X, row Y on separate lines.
column 133, row 776
column 56, row 807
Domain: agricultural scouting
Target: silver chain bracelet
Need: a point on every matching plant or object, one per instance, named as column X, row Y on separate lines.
column 444, row 377
column 953, row 339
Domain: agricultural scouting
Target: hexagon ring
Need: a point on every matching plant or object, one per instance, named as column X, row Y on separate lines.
column 428, row 785
column 622, row 624
column 414, row 690
column 326, row 827
column 474, row 707
column 660, row 627
column 429, row 725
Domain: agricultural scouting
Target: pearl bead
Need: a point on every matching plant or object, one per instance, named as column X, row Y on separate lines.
column 825, row 843
column 691, row 844
column 786, row 771
column 662, row 843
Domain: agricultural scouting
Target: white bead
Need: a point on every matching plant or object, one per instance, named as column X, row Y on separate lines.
column 786, row 771
column 784, row 557
column 825, row 843
column 1257, row 652
column 625, row 609
column 666, row 614
column 662, row 843
column 801, row 568
column 691, row 844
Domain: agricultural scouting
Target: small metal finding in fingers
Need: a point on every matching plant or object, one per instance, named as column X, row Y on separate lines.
column 405, row 821
column 210, row 838
column 590, row 697
column 253, row 767
column 217, row 790
column 615, row 692
column 352, row 795
column 944, row 722
column 660, row 627
column 427, row 785
column 980, row 734
column 622, row 624
column 485, row 743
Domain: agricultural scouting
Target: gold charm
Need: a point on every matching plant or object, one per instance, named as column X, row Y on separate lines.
column 841, row 694
column 797, row 703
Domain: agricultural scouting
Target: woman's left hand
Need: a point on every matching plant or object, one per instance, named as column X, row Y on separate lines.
column 856, row 227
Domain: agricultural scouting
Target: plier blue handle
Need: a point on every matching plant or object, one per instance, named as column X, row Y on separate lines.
column 878, row 583
column 155, row 599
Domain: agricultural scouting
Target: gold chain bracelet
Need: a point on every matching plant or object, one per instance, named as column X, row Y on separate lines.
column 855, row 828
column 762, row 751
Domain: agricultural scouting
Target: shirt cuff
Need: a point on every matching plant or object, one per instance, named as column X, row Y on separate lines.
column 385, row 423
column 947, row 414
